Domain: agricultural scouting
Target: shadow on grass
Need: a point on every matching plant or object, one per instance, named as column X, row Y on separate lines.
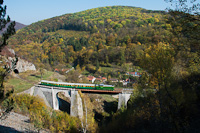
column 33, row 75
column 110, row 108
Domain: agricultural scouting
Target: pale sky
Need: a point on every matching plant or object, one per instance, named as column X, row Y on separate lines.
column 30, row 11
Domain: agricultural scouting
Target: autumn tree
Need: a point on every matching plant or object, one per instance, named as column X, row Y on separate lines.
column 185, row 20
column 41, row 70
column 158, row 60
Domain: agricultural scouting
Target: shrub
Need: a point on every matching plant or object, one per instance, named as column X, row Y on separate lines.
column 44, row 117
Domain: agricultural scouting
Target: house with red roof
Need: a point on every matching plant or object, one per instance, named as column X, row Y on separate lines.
column 56, row 70
column 134, row 74
column 91, row 78
column 104, row 79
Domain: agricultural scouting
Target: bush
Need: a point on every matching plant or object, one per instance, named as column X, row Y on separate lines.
column 44, row 117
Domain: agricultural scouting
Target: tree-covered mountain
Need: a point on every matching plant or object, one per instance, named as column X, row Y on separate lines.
column 18, row 26
column 103, row 36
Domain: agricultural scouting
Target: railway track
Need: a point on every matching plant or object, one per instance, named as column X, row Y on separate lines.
column 116, row 91
column 99, row 91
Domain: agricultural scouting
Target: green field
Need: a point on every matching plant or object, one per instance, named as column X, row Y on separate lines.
column 26, row 80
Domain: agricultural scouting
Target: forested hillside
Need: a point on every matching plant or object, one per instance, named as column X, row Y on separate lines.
column 100, row 36
column 164, row 45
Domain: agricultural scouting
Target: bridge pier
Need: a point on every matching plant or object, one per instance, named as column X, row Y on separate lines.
column 76, row 108
column 55, row 100
column 123, row 99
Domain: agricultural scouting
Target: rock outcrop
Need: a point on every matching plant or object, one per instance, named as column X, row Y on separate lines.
column 23, row 66
column 8, row 55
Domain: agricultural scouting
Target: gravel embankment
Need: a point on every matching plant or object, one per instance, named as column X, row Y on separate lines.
column 17, row 123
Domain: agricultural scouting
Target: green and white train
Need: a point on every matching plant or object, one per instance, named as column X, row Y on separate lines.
column 78, row 85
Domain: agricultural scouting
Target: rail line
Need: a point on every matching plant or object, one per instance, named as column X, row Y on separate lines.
column 83, row 90
column 116, row 91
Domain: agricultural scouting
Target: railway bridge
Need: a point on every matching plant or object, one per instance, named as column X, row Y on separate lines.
column 50, row 96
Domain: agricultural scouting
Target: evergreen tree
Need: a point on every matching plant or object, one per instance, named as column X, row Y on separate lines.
column 97, row 65
column 5, row 69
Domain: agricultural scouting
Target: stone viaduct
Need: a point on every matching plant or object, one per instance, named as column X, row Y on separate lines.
column 50, row 96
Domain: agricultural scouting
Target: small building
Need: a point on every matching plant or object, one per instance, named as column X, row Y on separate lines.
column 56, row 70
column 125, row 83
column 104, row 79
column 134, row 74
column 91, row 78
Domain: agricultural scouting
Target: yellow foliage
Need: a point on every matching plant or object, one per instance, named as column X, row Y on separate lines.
column 159, row 60
column 156, row 20
column 42, row 117
column 109, row 20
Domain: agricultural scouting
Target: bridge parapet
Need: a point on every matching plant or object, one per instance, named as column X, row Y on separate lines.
column 127, row 90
